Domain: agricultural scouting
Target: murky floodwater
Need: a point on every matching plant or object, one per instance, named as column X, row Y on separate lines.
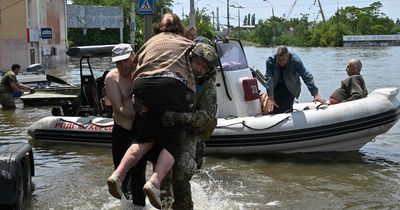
column 74, row 177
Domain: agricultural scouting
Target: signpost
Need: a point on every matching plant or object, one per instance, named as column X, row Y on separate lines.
column 147, row 8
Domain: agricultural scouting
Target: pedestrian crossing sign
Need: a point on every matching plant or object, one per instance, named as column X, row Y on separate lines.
column 147, row 7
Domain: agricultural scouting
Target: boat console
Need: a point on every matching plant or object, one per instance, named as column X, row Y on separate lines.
column 89, row 99
column 237, row 89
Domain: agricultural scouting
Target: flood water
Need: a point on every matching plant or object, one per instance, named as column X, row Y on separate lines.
column 74, row 177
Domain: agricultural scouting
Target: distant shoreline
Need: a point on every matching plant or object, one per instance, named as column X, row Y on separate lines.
column 247, row 43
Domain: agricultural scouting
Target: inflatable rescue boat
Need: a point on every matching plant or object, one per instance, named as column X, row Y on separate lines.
column 243, row 129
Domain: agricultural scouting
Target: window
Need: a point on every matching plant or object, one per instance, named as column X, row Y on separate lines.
column 29, row 13
column 232, row 56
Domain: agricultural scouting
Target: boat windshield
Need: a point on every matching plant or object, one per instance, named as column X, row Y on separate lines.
column 232, row 56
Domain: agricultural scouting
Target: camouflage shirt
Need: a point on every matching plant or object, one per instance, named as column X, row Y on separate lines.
column 6, row 80
column 196, row 124
column 202, row 117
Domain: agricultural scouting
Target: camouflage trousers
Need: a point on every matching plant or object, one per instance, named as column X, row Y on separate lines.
column 184, row 168
column 7, row 100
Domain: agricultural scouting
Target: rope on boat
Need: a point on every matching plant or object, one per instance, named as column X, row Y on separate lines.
column 252, row 128
column 86, row 124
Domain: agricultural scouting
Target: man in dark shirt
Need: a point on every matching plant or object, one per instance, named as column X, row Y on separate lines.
column 284, row 70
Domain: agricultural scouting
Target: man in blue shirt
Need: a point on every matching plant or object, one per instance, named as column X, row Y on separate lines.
column 284, row 71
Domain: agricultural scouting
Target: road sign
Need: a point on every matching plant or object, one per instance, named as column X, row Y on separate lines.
column 147, row 7
column 46, row 33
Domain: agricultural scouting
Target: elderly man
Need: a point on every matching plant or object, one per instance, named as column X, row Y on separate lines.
column 284, row 71
column 353, row 87
column 118, row 88
column 191, row 33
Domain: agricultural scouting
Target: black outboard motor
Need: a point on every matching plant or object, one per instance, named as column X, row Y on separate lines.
column 36, row 68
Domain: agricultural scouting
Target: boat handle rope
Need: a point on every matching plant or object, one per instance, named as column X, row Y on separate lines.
column 323, row 106
column 252, row 128
column 86, row 124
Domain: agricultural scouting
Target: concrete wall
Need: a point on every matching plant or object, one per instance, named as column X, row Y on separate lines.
column 13, row 39
column 53, row 15
column 20, row 41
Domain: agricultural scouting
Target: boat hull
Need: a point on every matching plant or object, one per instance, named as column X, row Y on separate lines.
column 343, row 127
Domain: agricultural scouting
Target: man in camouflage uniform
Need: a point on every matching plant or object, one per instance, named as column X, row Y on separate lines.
column 199, row 125
column 9, row 85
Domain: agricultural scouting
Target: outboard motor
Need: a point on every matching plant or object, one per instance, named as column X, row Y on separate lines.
column 36, row 68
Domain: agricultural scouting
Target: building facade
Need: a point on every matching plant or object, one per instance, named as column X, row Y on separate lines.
column 33, row 31
column 371, row 40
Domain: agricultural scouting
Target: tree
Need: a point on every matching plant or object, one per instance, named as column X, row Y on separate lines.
column 245, row 20
column 203, row 23
column 253, row 19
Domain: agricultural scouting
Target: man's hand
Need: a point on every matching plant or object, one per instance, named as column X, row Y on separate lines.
column 170, row 118
column 268, row 103
column 138, row 105
column 319, row 99
column 31, row 91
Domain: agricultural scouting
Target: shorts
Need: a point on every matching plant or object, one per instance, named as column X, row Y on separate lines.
column 159, row 94
column 121, row 140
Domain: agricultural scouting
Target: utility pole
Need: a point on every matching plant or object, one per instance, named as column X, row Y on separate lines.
column 239, row 19
column 218, row 28
column 213, row 22
column 192, row 21
column 121, row 28
column 148, row 21
column 133, row 24
column 238, row 7
column 227, row 18
column 321, row 11
column 337, row 26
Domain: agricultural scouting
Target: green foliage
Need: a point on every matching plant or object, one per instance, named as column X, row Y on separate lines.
column 302, row 32
column 203, row 23
column 248, row 35
column 245, row 20
column 273, row 31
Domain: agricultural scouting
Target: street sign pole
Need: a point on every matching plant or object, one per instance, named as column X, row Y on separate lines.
column 147, row 27
column 147, row 8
